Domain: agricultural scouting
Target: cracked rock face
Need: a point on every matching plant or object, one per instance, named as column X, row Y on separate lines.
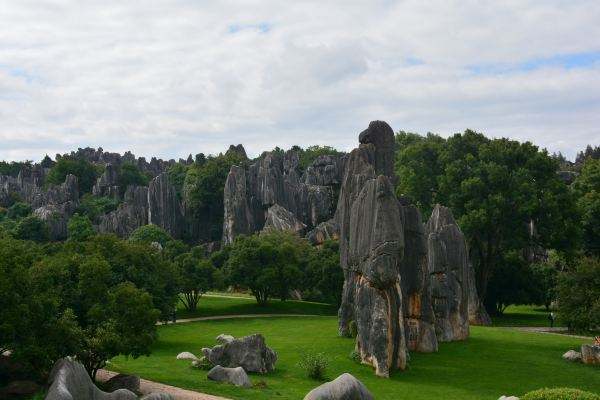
column 371, row 248
column 449, row 270
column 280, row 219
column 419, row 320
column 164, row 207
column 236, row 376
column 250, row 352
column 130, row 215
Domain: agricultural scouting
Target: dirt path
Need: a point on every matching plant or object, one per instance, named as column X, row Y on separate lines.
column 147, row 387
column 548, row 330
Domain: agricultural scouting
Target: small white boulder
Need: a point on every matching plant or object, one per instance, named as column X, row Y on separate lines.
column 572, row 355
column 186, row 355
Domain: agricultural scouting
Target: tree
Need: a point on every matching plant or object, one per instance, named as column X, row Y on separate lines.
column 497, row 189
column 197, row 276
column 324, row 278
column 80, row 228
column 267, row 264
column 18, row 210
column 47, row 162
column 93, row 207
column 130, row 174
column 587, row 189
column 310, row 154
column 31, row 228
column 203, row 191
column 544, row 277
column 579, row 295
column 150, row 233
column 85, row 172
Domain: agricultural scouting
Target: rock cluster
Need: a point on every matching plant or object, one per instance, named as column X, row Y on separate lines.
column 407, row 286
column 250, row 352
column 236, row 376
column 276, row 179
column 590, row 354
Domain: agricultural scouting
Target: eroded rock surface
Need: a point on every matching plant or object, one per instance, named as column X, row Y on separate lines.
column 249, row 352
column 280, row 219
column 69, row 380
column 236, row 376
column 449, row 270
column 590, row 354
column 344, row 387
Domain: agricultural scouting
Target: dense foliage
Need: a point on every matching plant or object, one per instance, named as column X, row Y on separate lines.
column 498, row 189
column 560, row 394
column 149, row 234
column 85, row 172
column 130, row 174
column 587, row 190
column 94, row 206
column 13, row 168
column 579, row 296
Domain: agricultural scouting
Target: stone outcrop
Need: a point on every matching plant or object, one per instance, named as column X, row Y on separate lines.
column 371, row 248
column 123, row 381
column 276, row 178
column 164, row 207
column 186, row 355
column 328, row 230
column 344, row 387
column 449, row 270
column 108, row 183
column 572, row 355
column 236, row 376
column 69, row 380
column 130, row 215
column 280, row 219
column 590, row 354
column 419, row 320
column 250, row 352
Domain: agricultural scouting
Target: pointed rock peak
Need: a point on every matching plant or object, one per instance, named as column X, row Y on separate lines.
column 440, row 217
column 239, row 149
column 380, row 135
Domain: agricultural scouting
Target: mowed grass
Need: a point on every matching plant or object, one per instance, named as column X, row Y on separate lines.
column 218, row 304
column 524, row 315
column 492, row 362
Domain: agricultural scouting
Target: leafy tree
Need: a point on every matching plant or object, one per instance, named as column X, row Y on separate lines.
column 310, row 154
column 268, row 265
column 93, row 207
column 544, row 278
column 85, row 172
column 150, row 233
column 13, row 168
column 31, row 228
column 18, row 210
column 203, row 191
column 495, row 188
column 579, row 295
column 324, row 278
column 587, row 189
column 177, row 173
column 80, row 228
column 511, row 284
column 130, row 174
column 47, row 162
column 197, row 276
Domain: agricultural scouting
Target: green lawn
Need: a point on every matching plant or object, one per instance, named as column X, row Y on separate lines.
column 523, row 315
column 217, row 304
column 494, row 361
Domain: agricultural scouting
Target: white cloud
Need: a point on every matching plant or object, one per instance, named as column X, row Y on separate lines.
column 170, row 78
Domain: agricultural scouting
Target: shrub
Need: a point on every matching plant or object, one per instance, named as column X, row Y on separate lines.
column 18, row 210
column 560, row 394
column 314, row 364
column 202, row 364
column 578, row 293
column 31, row 228
column 85, row 172
column 150, row 233
column 355, row 356
column 352, row 329
column 80, row 228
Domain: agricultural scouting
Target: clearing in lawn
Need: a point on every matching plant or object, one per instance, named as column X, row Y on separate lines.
column 492, row 362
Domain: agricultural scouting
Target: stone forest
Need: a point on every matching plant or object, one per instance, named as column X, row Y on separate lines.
column 411, row 267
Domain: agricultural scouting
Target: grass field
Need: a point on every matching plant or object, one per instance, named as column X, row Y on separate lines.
column 523, row 315
column 219, row 304
column 494, row 361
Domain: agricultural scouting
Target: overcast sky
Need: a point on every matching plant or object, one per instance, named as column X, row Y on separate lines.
column 169, row 78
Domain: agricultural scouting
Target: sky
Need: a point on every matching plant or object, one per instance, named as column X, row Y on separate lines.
column 170, row 78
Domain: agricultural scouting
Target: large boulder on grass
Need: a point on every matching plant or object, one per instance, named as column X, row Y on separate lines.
column 249, row 352
column 70, row 381
column 235, row 376
column 186, row 355
column 123, row 381
column 344, row 387
column 590, row 354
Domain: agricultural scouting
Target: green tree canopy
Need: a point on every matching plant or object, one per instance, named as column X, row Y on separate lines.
column 85, row 172
column 579, row 296
column 31, row 228
column 150, row 233
column 80, row 228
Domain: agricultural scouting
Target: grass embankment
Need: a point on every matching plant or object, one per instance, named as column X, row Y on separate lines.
column 492, row 362
column 524, row 315
column 220, row 304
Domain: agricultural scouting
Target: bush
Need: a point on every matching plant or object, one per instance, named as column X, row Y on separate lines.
column 85, row 172
column 560, row 394
column 93, row 207
column 352, row 329
column 31, row 228
column 150, row 233
column 18, row 210
column 355, row 356
column 578, row 294
column 314, row 364
column 80, row 228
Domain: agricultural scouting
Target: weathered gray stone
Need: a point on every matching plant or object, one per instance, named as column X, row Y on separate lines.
column 572, row 355
column 344, row 387
column 280, row 219
column 56, row 217
column 107, row 183
column 448, row 266
column 236, row 376
column 224, row 338
column 186, row 355
column 249, row 352
column 328, row 230
column 238, row 218
column 381, row 135
column 123, row 381
column 164, row 207
column 69, row 381
column 157, row 396
column 130, row 215
column 590, row 354
column 419, row 320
